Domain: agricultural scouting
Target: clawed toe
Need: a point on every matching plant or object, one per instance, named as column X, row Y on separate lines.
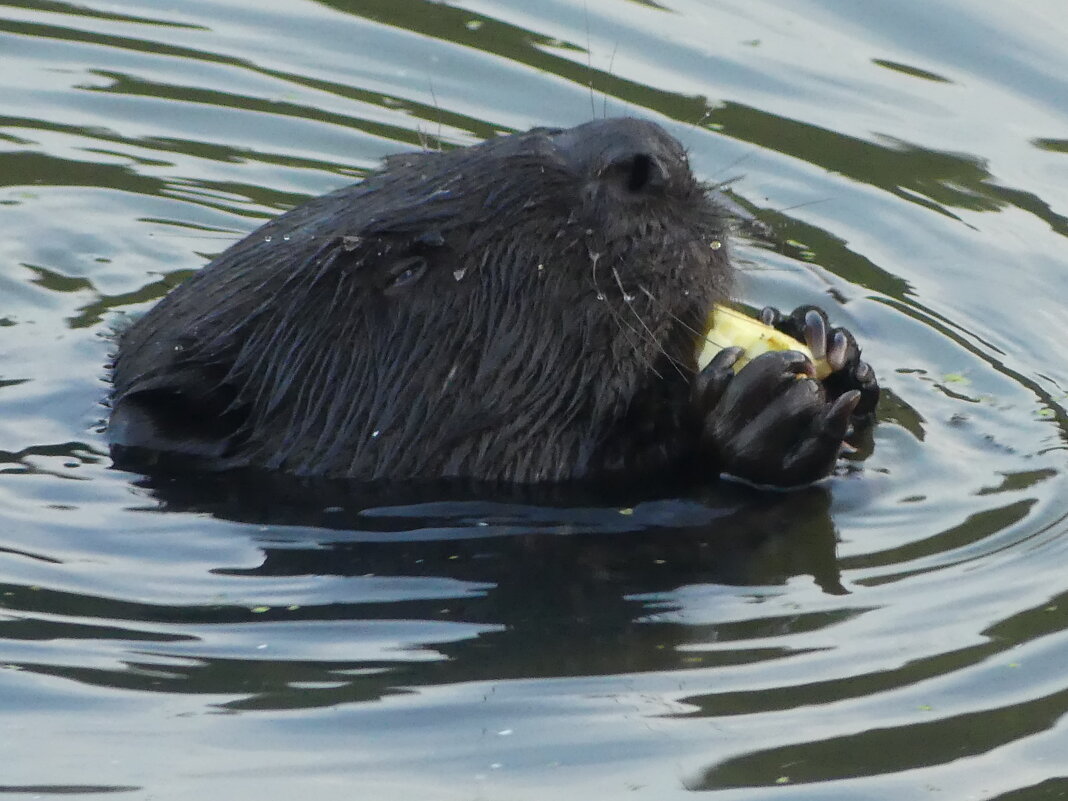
column 815, row 329
column 838, row 352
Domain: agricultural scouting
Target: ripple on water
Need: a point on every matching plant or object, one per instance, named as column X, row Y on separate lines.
column 895, row 633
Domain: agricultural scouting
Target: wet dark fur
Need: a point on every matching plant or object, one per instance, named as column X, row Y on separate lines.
column 525, row 309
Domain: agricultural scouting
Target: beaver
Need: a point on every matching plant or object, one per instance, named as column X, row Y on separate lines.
column 523, row 310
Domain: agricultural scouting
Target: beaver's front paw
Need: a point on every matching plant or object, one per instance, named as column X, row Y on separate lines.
column 838, row 348
column 772, row 423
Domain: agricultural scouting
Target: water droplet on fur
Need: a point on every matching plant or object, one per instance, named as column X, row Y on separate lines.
column 458, row 274
column 267, row 239
column 600, row 296
column 286, row 237
column 715, row 244
column 628, row 297
column 179, row 348
column 375, row 433
column 541, row 267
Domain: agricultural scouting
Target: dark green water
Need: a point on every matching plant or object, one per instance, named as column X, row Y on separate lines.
column 900, row 632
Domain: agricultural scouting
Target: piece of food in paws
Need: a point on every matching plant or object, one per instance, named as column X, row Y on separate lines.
column 731, row 328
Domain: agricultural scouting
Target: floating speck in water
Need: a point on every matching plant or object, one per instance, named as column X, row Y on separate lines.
column 715, row 244
column 458, row 274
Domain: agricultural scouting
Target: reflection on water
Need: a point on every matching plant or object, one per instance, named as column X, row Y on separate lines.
column 896, row 632
column 538, row 583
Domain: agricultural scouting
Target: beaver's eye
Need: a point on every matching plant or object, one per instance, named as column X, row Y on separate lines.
column 405, row 273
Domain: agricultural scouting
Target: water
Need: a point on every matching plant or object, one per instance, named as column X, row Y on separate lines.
column 899, row 632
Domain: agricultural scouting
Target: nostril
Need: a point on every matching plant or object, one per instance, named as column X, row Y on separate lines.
column 640, row 166
column 641, row 172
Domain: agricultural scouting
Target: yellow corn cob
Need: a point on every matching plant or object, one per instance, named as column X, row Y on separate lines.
column 728, row 328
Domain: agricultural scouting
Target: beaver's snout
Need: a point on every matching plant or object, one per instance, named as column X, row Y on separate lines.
column 635, row 156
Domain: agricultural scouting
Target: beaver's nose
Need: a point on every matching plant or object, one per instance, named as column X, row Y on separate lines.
column 637, row 172
column 635, row 155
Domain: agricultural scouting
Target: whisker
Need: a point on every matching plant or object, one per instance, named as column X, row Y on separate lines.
column 802, row 205
column 604, row 94
column 624, row 326
column 589, row 59
column 652, row 337
column 670, row 313
column 731, row 165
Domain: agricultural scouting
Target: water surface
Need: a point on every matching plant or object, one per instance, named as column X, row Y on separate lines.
column 899, row 631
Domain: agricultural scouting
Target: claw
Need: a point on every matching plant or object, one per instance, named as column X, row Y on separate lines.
column 769, row 315
column 863, row 372
column 816, row 334
column 844, row 407
column 713, row 378
column 798, row 363
column 724, row 360
column 836, row 354
column 803, row 368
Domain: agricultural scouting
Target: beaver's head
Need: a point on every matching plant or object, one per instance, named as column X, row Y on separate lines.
column 498, row 311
